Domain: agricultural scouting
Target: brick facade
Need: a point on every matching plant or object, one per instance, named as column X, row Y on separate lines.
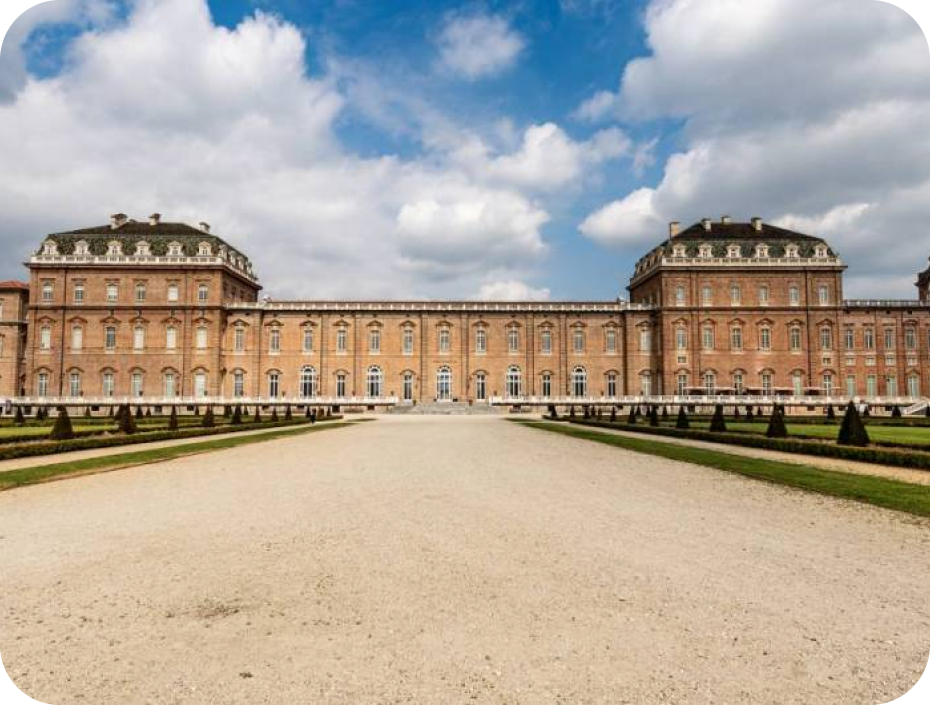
column 154, row 309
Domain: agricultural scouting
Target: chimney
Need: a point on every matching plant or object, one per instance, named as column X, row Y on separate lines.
column 205, row 227
column 706, row 223
column 725, row 219
column 117, row 220
column 757, row 224
column 154, row 218
column 673, row 229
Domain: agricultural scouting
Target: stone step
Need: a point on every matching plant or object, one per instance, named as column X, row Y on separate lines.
column 444, row 408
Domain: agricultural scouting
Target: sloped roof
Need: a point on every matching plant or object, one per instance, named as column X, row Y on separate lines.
column 13, row 284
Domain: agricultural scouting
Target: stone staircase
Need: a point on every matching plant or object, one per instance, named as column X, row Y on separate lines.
column 447, row 408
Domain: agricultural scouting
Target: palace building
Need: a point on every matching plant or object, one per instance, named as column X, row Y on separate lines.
column 160, row 312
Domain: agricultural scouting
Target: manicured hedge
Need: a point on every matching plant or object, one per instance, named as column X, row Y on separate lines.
column 111, row 441
column 881, row 455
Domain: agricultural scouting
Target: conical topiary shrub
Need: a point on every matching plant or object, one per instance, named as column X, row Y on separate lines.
column 717, row 423
column 125, row 421
column 682, row 421
column 139, row 413
column 631, row 419
column 613, row 414
column 571, row 411
column 831, row 414
column 664, row 413
column 87, row 413
column 209, row 421
column 288, row 416
column 236, row 416
column 173, row 419
column 653, row 416
column 896, row 412
column 274, row 414
column 749, row 417
column 867, row 412
column 148, row 412
column 313, row 416
column 62, row 430
column 227, row 412
column 852, row 430
column 777, row 428
column 20, row 417
column 736, row 413
column 257, row 418
column 586, row 412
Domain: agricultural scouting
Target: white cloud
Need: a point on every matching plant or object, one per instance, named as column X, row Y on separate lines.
column 546, row 158
column 511, row 290
column 169, row 112
column 811, row 114
column 478, row 45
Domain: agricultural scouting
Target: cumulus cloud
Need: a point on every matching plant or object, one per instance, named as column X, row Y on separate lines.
column 811, row 114
column 511, row 290
column 169, row 112
column 478, row 45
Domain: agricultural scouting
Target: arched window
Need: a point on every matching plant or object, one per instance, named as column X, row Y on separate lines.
column 481, row 386
column 797, row 383
column 443, row 384
column 238, row 384
column 308, row 382
column 408, row 386
column 42, row 384
column 512, row 381
column 645, row 384
column 374, row 381
column 201, row 337
column 108, row 383
column 913, row 385
column 579, row 382
column 738, row 384
column 170, row 385
column 45, row 337
column 109, row 338
column 341, row 384
column 682, row 384
column 546, row 384
column 74, row 384
column 138, row 338
column 77, row 337
column 827, row 384
column 200, row 384
column 710, row 383
column 136, row 381
column 767, row 387
column 611, row 384
column 274, row 384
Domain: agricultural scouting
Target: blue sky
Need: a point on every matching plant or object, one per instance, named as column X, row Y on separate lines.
column 493, row 149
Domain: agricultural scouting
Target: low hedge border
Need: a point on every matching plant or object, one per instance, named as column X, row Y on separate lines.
column 113, row 441
column 916, row 460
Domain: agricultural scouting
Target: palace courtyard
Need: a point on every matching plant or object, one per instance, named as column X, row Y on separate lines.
column 454, row 559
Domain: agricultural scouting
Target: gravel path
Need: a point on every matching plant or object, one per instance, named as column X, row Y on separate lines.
column 454, row 559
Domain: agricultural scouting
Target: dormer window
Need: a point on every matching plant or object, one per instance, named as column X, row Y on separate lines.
column 81, row 248
column 820, row 251
column 705, row 250
column 142, row 249
column 204, row 249
column 49, row 248
column 733, row 251
column 762, row 250
column 114, row 249
column 174, row 249
column 791, row 250
column 678, row 251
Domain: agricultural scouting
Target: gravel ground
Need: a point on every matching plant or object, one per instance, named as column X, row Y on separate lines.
column 454, row 559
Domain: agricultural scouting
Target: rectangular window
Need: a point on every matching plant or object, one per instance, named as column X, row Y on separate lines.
column 45, row 338
column 78, row 293
column 77, row 338
column 239, row 339
column 546, row 342
column 341, row 339
column 203, row 293
column 828, row 385
column 137, row 384
column 736, row 338
column 444, row 340
column 238, row 384
column 738, row 382
column 108, row 384
column 765, row 339
column 138, row 338
column 200, row 384
column 681, row 338
column 611, row 385
column 340, row 385
column 481, row 341
column 913, row 386
column 140, row 292
column 47, row 291
column 910, row 338
column 868, row 339
column 682, row 384
column 112, row 292
column 645, row 340
column 274, row 340
column 767, row 384
column 374, row 341
column 578, row 341
column 763, row 296
column 611, row 340
column 170, row 385
column 826, row 339
column 274, row 382
column 889, row 339
column 706, row 295
column 680, row 296
column 891, row 386
column 171, row 338
column 201, row 340
column 794, row 295
column 850, row 338
column 707, row 337
column 109, row 338
column 794, row 338
column 735, row 295
column 850, row 386
column 75, row 384
column 173, row 292
column 871, row 388
column 42, row 384
column 408, row 341
column 408, row 387
column 308, row 339
column 823, row 295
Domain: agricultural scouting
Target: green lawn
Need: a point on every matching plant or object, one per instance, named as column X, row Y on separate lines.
column 880, row 491
column 887, row 434
column 57, row 471
column 41, row 431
